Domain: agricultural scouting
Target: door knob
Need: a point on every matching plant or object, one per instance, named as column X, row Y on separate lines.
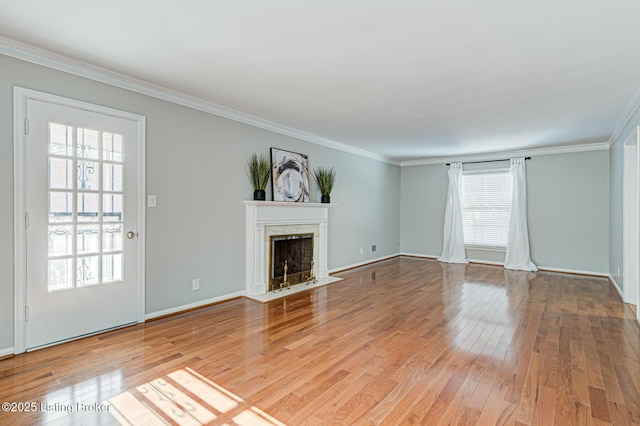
column 131, row 235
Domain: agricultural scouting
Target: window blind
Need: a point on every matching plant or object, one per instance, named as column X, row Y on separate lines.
column 486, row 207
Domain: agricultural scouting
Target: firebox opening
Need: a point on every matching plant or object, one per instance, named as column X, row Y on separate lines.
column 297, row 251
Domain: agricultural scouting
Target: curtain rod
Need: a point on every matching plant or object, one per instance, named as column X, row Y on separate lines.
column 486, row 161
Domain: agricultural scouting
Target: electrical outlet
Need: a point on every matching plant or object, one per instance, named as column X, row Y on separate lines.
column 397, row 243
column 196, row 284
column 374, row 248
column 361, row 250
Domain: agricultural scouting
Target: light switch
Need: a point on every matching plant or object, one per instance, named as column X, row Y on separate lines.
column 151, row 201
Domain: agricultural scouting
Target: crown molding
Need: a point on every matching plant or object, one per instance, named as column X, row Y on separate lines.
column 632, row 108
column 534, row 152
column 58, row 62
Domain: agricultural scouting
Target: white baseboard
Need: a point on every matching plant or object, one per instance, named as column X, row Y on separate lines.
column 430, row 256
column 193, row 305
column 486, row 262
column 355, row 265
column 424, row 256
column 6, row 351
column 548, row 269
column 617, row 287
column 541, row 268
column 573, row 271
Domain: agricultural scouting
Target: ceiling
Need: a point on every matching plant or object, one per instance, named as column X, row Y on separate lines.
column 402, row 79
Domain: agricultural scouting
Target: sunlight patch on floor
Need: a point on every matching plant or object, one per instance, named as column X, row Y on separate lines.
column 185, row 397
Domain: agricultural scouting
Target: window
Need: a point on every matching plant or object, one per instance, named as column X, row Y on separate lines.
column 85, row 207
column 486, row 207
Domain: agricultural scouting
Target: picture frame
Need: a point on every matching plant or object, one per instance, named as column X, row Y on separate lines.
column 289, row 176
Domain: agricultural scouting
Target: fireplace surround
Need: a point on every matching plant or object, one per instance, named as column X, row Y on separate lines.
column 266, row 219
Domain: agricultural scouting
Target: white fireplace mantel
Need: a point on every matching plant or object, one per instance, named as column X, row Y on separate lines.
column 263, row 214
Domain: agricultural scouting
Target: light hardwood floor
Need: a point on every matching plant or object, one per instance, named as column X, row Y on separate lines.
column 404, row 341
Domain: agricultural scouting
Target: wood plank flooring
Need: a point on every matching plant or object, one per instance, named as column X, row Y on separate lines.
column 404, row 341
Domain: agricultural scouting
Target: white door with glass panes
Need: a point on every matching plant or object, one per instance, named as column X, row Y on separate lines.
column 81, row 204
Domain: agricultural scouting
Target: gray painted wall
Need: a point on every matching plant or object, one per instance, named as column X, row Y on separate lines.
column 195, row 166
column 568, row 206
column 423, row 195
column 616, row 166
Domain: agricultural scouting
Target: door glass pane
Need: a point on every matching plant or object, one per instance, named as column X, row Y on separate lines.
column 112, row 267
column 112, row 207
column 86, row 234
column 60, row 207
column 88, row 143
column 112, row 177
column 111, row 147
column 112, row 237
column 60, row 139
column 60, row 240
column 87, row 273
column 88, row 207
column 88, row 239
column 60, row 173
column 60, row 274
column 88, row 176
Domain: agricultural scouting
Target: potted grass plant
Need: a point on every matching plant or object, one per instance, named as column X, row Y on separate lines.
column 259, row 171
column 325, row 177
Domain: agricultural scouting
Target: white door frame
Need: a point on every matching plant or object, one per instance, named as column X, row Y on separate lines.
column 631, row 219
column 20, row 97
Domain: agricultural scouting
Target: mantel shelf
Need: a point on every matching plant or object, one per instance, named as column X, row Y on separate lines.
column 288, row 204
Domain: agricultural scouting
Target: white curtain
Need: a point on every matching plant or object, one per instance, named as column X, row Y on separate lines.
column 518, row 255
column 453, row 245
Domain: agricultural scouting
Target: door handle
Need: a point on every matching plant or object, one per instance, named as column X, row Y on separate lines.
column 131, row 235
